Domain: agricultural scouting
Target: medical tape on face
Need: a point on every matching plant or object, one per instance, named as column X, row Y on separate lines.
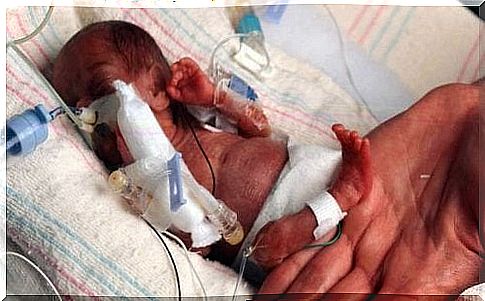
column 327, row 212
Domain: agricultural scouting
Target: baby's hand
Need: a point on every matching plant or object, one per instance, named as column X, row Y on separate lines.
column 189, row 84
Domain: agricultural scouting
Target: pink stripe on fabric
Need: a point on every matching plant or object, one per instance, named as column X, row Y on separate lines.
column 357, row 19
column 53, row 263
column 37, row 45
column 34, row 89
column 298, row 121
column 287, row 115
column 19, row 96
column 372, row 24
column 27, row 53
column 467, row 60
column 184, row 48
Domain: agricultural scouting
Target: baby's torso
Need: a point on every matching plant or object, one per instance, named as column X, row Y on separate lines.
column 245, row 172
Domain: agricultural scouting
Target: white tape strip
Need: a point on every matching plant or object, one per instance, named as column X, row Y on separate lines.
column 327, row 212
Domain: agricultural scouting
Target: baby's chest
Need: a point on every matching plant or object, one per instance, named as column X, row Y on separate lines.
column 247, row 173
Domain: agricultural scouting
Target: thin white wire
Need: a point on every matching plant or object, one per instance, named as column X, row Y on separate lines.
column 212, row 64
column 53, row 287
column 14, row 45
column 346, row 63
column 186, row 253
column 36, row 30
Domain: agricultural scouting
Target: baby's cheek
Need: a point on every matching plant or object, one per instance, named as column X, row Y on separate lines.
column 123, row 149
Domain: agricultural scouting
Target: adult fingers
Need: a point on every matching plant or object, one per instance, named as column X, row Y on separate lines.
column 284, row 274
column 356, row 283
column 325, row 269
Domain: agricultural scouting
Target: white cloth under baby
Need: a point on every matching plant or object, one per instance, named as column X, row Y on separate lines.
column 309, row 171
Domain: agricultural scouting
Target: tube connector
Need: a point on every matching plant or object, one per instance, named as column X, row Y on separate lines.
column 121, row 183
column 226, row 222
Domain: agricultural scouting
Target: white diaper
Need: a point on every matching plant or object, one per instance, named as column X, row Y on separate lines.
column 308, row 173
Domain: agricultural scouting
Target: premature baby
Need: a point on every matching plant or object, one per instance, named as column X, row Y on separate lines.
column 106, row 51
column 413, row 212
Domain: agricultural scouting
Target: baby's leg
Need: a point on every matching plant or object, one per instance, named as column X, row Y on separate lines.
column 279, row 239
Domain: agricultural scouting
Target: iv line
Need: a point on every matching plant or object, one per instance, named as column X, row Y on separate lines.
column 212, row 62
column 14, row 45
column 346, row 63
column 53, row 287
column 36, row 30
column 179, row 241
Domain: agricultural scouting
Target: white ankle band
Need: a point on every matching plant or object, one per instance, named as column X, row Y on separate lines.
column 327, row 212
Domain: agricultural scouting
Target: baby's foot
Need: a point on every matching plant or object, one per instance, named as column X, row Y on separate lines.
column 189, row 84
column 354, row 181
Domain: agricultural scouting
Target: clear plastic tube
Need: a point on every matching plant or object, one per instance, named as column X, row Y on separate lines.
column 136, row 197
column 218, row 213
column 226, row 222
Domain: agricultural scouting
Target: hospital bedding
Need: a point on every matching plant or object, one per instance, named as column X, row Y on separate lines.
column 59, row 207
column 395, row 53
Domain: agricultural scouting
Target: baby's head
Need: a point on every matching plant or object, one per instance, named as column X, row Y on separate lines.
column 101, row 53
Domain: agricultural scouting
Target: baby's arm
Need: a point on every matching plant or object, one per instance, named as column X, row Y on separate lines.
column 190, row 85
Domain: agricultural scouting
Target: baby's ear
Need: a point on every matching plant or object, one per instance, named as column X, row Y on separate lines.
column 160, row 100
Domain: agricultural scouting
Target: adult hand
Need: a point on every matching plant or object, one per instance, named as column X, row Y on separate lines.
column 416, row 232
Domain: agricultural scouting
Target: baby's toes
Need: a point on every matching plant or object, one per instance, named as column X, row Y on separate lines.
column 357, row 144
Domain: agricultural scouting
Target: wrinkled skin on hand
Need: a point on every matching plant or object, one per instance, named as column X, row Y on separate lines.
column 416, row 230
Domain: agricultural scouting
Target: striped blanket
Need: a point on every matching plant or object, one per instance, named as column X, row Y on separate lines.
column 425, row 46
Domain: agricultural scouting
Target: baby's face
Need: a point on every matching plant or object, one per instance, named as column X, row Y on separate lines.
column 101, row 53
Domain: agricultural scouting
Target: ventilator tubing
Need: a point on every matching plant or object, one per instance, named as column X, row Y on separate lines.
column 151, row 150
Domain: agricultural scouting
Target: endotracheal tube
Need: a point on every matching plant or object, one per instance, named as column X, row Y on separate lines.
column 160, row 184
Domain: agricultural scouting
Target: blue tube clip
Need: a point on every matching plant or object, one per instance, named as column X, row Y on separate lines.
column 175, row 183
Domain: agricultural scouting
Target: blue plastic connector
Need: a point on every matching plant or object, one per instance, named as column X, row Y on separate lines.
column 249, row 23
column 239, row 86
column 28, row 130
